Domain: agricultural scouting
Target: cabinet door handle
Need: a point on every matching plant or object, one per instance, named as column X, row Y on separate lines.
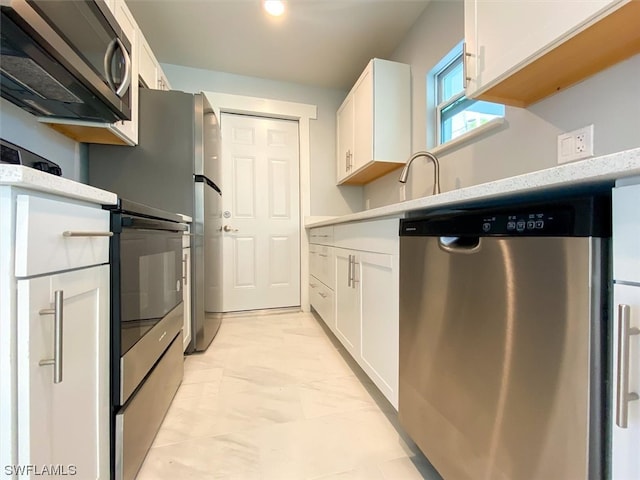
column 313, row 285
column 58, row 318
column 323, row 255
column 623, row 396
column 466, row 78
column 185, row 269
column 354, row 280
column 86, row 234
column 323, row 295
column 349, row 279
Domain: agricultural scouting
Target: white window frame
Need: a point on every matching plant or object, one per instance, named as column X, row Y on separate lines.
column 438, row 86
column 433, row 87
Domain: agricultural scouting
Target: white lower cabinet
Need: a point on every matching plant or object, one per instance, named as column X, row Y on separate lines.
column 367, row 295
column 348, row 328
column 625, row 438
column 54, row 337
column 63, row 420
column 379, row 297
column 354, row 286
column 625, row 435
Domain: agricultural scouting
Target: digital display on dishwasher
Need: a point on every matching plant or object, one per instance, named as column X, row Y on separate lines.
column 525, row 223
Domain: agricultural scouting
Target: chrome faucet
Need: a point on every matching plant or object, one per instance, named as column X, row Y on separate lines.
column 436, row 169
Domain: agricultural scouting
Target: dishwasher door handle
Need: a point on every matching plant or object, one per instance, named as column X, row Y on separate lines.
column 464, row 245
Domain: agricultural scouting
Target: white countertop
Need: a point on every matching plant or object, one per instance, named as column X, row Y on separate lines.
column 25, row 177
column 592, row 171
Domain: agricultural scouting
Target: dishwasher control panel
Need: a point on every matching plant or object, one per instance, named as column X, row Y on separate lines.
column 531, row 223
column 578, row 217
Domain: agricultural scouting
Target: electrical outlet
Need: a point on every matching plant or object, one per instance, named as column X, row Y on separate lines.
column 575, row 145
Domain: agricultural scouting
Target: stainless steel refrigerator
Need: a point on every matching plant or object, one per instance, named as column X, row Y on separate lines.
column 176, row 167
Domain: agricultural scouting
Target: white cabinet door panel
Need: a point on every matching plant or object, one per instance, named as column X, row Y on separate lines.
column 345, row 130
column 380, row 311
column 65, row 423
column 347, row 303
column 363, row 120
column 626, row 232
column 626, row 441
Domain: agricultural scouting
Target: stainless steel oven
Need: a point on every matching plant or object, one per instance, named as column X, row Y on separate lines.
column 147, row 319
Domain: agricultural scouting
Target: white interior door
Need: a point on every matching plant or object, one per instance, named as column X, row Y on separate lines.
column 260, row 204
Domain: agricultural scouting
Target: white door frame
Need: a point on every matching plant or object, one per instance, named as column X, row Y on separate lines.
column 302, row 112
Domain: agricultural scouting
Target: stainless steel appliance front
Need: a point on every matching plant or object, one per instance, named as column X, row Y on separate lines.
column 147, row 319
column 67, row 59
column 178, row 173
column 501, row 355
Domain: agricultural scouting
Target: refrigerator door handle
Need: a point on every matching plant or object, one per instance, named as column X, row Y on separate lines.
column 206, row 180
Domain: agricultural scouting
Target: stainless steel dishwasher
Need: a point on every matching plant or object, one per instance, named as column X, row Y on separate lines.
column 504, row 340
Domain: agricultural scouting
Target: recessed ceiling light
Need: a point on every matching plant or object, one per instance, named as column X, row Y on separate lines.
column 274, row 7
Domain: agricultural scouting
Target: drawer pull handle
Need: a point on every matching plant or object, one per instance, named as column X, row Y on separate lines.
column 313, row 285
column 323, row 255
column 87, row 234
column 323, row 295
column 58, row 318
column 623, row 396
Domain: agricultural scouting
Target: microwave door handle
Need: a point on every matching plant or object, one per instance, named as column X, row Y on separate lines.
column 126, row 81
column 108, row 57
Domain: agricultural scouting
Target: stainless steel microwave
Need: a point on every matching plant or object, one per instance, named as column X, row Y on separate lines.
column 65, row 59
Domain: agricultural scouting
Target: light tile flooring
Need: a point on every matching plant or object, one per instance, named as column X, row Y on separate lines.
column 275, row 398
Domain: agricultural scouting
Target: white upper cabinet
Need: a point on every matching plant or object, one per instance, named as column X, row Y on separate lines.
column 374, row 123
column 521, row 51
column 151, row 72
column 128, row 129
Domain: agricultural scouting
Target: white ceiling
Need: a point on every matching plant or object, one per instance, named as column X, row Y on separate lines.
column 324, row 43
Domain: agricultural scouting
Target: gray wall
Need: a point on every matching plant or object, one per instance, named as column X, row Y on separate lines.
column 326, row 197
column 22, row 128
column 527, row 142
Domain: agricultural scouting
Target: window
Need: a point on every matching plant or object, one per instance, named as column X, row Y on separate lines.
column 455, row 113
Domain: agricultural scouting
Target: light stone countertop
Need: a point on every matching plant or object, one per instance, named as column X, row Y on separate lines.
column 596, row 171
column 29, row 178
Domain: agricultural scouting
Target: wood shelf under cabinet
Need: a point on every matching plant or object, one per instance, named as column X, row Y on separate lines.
column 370, row 171
column 610, row 40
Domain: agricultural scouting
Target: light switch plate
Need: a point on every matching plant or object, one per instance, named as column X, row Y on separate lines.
column 575, row 145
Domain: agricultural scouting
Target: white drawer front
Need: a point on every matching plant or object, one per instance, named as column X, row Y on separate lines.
column 321, row 235
column 626, row 232
column 322, row 265
column 322, row 300
column 40, row 244
column 380, row 236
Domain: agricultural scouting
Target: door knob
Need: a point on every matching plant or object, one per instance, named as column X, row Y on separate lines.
column 227, row 228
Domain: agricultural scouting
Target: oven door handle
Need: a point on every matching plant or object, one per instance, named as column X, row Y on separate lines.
column 150, row 224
